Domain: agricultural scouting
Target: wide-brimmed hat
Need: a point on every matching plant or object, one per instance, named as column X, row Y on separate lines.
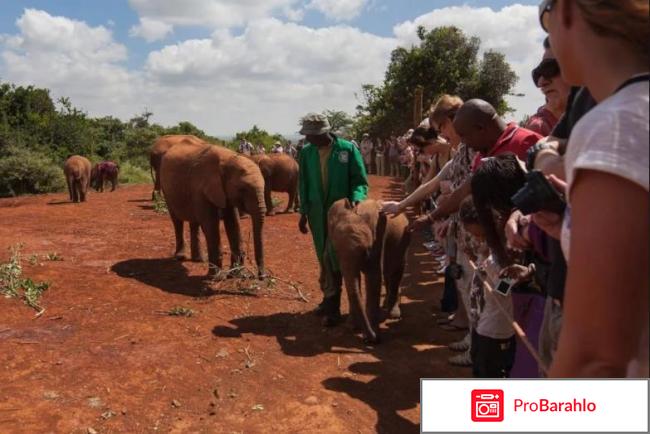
column 314, row 124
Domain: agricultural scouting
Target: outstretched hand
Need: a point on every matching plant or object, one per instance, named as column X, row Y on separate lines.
column 391, row 208
column 420, row 223
column 516, row 223
column 302, row 224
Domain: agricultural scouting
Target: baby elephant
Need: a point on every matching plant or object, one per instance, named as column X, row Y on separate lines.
column 77, row 176
column 367, row 241
column 102, row 172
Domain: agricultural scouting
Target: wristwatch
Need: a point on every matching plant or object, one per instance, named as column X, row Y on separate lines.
column 533, row 151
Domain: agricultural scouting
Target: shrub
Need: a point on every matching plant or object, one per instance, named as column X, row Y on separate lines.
column 132, row 174
column 23, row 171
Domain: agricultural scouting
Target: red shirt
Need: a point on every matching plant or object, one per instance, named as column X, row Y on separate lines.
column 542, row 122
column 514, row 139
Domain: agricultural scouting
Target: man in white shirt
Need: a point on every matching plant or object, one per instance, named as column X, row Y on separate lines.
column 366, row 152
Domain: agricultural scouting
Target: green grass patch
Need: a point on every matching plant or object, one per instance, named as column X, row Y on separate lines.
column 133, row 174
column 53, row 256
column 14, row 285
column 159, row 204
column 180, row 311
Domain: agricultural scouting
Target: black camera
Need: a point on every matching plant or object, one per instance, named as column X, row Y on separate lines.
column 538, row 195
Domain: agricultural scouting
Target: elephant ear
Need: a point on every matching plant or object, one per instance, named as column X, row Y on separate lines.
column 215, row 189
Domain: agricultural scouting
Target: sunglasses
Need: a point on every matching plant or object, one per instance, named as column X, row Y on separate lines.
column 548, row 68
column 544, row 7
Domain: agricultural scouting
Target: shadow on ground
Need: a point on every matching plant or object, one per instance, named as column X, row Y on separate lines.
column 406, row 354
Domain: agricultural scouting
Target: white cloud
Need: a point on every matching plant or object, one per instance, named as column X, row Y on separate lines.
column 151, row 30
column 342, row 10
column 70, row 58
column 513, row 30
column 269, row 74
column 213, row 13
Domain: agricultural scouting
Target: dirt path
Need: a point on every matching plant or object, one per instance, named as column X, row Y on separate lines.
column 104, row 354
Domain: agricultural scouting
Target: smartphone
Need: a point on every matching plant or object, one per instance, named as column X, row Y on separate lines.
column 504, row 287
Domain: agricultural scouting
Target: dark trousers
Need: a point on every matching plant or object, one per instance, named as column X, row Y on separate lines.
column 492, row 358
column 449, row 301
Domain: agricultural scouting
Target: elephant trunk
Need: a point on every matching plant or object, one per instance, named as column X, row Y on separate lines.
column 257, row 216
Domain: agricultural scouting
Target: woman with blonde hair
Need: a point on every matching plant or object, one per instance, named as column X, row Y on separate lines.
column 450, row 177
column 603, row 45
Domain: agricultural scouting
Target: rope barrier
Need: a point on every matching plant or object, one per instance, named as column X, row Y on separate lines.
column 517, row 328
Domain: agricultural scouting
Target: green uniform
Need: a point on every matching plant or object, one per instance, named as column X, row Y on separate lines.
column 344, row 177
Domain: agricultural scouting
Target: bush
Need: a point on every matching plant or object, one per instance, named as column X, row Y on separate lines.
column 133, row 174
column 28, row 172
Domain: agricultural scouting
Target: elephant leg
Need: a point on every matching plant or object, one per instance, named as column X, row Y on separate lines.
column 76, row 191
column 195, row 243
column 210, row 227
column 113, row 183
column 83, row 189
column 180, row 238
column 296, row 200
column 352, row 284
column 268, row 199
column 290, row 205
column 70, row 183
column 233, row 231
column 373, row 293
column 393, row 273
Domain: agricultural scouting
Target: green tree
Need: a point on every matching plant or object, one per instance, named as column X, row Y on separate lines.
column 340, row 121
column 256, row 136
column 445, row 61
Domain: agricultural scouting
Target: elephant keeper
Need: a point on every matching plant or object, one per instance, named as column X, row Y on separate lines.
column 330, row 169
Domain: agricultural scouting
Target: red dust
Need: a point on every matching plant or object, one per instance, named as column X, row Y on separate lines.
column 105, row 355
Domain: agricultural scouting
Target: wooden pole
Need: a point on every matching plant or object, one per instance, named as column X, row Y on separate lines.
column 417, row 105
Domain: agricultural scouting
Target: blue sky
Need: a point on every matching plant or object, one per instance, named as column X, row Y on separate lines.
column 125, row 70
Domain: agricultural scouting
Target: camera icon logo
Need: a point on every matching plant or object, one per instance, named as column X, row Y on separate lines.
column 487, row 405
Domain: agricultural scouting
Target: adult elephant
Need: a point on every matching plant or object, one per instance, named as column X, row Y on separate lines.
column 203, row 183
column 367, row 241
column 77, row 176
column 280, row 172
column 156, row 153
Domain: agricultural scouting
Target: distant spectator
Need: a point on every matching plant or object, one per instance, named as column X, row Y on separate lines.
column 393, row 157
column 366, row 152
column 380, row 157
column 277, row 148
column 547, row 78
column 245, row 147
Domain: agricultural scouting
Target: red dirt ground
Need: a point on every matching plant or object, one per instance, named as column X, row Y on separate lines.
column 105, row 355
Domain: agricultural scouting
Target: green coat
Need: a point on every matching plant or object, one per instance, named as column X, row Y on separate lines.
column 346, row 178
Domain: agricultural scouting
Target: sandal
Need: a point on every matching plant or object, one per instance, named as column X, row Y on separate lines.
column 453, row 327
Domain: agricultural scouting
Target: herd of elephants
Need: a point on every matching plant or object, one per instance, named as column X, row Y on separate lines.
column 203, row 184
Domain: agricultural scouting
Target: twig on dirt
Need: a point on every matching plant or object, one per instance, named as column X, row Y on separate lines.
column 53, row 318
column 294, row 286
column 246, row 282
column 40, row 313
column 248, row 354
column 27, row 343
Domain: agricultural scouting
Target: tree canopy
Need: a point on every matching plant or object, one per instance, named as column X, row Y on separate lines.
column 37, row 134
column 445, row 61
